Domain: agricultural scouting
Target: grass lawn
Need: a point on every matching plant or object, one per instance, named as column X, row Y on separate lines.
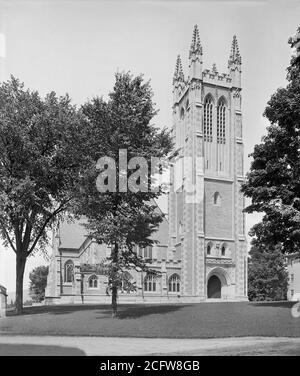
column 204, row 320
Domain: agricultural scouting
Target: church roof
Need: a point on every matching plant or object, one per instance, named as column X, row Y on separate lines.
column 162, row 233
column 72, row 234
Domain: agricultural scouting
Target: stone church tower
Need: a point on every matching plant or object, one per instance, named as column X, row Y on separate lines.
column 201, row 252
column 205, row 204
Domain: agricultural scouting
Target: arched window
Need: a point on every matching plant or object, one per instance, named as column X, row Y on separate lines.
column 217, row 198
column 146, row 252
column 150, row 283
column 93, row 281
column 174, row 283
column 207, row 123
column 223, row 250
column 68, row 271
column 221, row 136
column 209, row 248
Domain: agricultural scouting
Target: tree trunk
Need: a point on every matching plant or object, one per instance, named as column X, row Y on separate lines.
column 20, row 267
column 114, row 301
column 114, row 294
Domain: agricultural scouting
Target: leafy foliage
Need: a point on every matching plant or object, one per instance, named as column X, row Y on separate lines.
column 267, row 274
column 273, row 182
column 119, row 219
column 38, row 283
column 41, row 156
column 39, row 160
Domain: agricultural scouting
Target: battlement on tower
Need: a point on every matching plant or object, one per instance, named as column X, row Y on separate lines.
column 215, row 77
column 231, row 79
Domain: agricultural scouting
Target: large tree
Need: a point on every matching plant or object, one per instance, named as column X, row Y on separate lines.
column 41, row 155
column 267, row 274
column 273, row 183
column 38, row 283
column 118, row 215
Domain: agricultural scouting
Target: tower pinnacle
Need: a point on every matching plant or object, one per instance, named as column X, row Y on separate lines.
column 178, row 74
column 234, row 63
column 196, row 48
column 235, row 57
column 195, row 56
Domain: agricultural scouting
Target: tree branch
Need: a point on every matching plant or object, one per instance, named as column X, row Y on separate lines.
column 42, row 229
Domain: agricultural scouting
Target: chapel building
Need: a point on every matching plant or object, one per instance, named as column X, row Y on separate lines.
column 201, row 251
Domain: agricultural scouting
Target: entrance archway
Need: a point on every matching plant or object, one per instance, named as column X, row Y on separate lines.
column 214, row 286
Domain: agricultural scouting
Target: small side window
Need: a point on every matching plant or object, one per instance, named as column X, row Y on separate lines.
column 217, row 198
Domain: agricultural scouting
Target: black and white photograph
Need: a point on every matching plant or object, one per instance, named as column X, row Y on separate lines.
column 149, row 181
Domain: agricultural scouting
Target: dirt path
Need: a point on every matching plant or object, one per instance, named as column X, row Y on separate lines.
column 109, row 346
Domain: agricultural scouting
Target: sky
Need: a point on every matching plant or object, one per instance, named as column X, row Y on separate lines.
column 78, row 46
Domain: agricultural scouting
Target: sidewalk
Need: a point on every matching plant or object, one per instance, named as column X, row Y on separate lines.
column 109, row 346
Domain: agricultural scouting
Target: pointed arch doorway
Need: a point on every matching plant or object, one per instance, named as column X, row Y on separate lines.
column 214, row 287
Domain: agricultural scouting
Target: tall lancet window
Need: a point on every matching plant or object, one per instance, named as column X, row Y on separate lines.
column 69, row 271
column 181, row 129
column 221, row 135
column 207, row 131
column 208, row 106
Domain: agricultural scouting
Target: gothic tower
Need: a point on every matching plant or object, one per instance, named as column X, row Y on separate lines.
column 205, row 203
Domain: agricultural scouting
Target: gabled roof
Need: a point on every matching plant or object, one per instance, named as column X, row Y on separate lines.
column 72, row 234
column 162, row 233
